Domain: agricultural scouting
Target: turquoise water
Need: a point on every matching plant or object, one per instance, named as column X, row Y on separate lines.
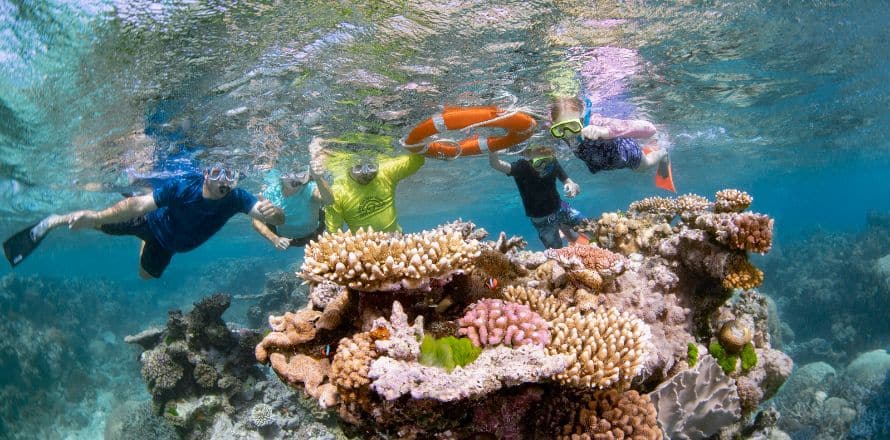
column 785, row 100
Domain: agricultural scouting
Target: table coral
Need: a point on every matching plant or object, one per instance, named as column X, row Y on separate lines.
column 658, row 206
column 367, row 260
column 492, row 322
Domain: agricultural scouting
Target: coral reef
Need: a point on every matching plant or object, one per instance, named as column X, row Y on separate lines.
column 492, row 321
column 573, row 337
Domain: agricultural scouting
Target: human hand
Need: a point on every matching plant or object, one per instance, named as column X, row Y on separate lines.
column 571, row 189
column 594, row 132
column 281, row 243
column 265, row 207
column 82, row 220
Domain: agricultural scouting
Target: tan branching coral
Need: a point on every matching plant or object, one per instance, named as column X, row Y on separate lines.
column 378, row 261
column 732, row 200
column 288, row 330
column 689, row 206
column 349, row 369
column 612, row 415
column 590, row 265
column 743, row 231
column 742, row 275
column 604, row 347
column 309, row 371
column 658, row 206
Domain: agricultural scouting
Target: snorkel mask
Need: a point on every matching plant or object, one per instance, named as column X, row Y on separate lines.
column 365, row 171
column 561, row 129
column 544, row 165
column 296, row 180
column 223, row 178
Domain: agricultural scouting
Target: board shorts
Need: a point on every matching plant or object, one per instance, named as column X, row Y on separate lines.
column 548, row 227
column 155, row 258
column 610, row 154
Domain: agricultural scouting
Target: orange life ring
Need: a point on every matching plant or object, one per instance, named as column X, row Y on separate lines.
column 519, row 126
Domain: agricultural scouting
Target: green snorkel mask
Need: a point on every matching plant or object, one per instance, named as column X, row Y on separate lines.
column 561, row 129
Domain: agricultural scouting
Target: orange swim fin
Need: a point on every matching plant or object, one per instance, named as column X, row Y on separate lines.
column 664, row 178
column 582, row 239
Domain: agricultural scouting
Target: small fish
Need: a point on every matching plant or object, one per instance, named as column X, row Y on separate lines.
column 492, row 283
column 326, row 350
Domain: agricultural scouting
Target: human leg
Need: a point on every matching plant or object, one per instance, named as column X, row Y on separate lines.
column 153, row 258
column 49, row 223
column 548, row 231
column 652, row 155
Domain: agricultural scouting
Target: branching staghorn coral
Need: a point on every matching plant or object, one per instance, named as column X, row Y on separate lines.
column 492, row 321
column 611, row 414
column 380, row 261
column 604, row 347
column 732, row 200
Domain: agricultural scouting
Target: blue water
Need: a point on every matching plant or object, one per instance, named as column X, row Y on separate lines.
column 785, row 100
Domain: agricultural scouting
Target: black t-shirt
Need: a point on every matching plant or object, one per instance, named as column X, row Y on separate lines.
column 539, row 195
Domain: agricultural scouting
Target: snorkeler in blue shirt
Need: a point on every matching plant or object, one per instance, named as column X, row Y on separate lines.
column 302, row 196
column 178, row 216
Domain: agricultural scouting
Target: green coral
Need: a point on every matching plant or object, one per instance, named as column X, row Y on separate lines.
column 448, row 352
column 692, row 354
column 749, row 357
column 727, row 361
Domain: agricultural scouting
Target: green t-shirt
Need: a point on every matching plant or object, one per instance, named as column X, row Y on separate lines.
column 372, row 204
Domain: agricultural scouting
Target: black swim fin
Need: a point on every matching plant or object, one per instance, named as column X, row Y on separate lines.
column 20, row 245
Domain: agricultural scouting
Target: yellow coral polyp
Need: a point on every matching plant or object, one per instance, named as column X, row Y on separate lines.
column 743, row 275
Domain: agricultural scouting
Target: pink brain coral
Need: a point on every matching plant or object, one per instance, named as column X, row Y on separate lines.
column 493, row 322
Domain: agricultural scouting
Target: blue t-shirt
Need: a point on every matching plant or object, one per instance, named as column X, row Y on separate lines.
column 185, row 219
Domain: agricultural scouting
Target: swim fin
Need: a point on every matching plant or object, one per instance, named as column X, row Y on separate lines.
column 20, row 245
column 664, row 178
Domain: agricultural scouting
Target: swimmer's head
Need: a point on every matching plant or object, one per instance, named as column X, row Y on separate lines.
column 220, row 180
column 364, row 170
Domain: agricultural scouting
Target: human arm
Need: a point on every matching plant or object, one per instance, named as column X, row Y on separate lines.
column 498, row 164
column 317, row 169
column 400, row 167
column 569, row 186
column 265, row 211
column 126, row 209
column 281, row 243
column 600, row 127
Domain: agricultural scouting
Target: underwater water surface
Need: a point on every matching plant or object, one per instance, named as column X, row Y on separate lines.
column 784, row 100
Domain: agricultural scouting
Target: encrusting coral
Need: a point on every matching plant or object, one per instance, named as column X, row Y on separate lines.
column 591, row 266
column 378, row 261
column 492, row 322
column 610, row 415
column 288, row 330
column 732, row 200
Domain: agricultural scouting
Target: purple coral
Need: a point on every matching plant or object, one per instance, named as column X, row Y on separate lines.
column 493, row 322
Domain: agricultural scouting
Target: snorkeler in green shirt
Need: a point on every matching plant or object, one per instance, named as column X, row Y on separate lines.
column 365, row 196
